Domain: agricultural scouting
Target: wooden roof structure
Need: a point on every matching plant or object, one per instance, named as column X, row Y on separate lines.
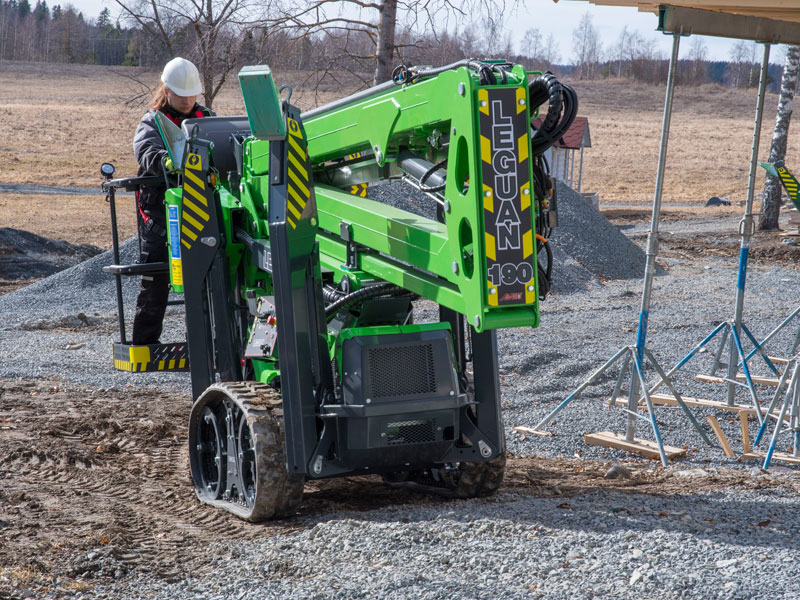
column 574, row 138
column 781, row 10
column 772, row 21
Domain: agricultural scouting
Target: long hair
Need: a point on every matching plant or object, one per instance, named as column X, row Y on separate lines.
column 160, row 101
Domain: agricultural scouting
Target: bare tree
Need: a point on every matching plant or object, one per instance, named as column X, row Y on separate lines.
column 771, row 206
column 587, row 46
column 531, row 44
column 378, row 19
column 210, row 32
column 739, row 68
column 621, row 49
column 698, row 51
column 551, row 53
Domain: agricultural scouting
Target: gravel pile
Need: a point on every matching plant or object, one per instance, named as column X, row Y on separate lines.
column 588, row 238
column 25, row 255
column 718, row 545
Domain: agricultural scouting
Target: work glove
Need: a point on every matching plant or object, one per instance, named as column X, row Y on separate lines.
column 169, row 165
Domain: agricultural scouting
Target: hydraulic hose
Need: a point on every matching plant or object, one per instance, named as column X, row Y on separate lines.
column 546, row 88
column 403, row 74
column 561, row 97
column 330, row 294
column 366, row 293
column 546, row 272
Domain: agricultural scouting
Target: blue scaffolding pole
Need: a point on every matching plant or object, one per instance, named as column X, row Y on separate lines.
column 731, row 331
column 634, row 357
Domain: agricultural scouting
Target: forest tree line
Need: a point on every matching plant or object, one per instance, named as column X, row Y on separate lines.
column 62, row 34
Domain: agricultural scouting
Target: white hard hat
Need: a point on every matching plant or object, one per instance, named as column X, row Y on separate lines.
column 181, row 76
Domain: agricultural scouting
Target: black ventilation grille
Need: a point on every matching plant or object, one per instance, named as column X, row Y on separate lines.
column 410, row 432
column 401, row 371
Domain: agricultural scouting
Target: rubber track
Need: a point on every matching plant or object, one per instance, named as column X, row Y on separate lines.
column 278, row 494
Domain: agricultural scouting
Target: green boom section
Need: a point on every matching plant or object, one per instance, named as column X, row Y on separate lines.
column 486, row 273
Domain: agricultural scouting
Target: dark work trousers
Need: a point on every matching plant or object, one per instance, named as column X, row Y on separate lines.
column 152, row 301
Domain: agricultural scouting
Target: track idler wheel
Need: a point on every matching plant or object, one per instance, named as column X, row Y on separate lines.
column 237, row 452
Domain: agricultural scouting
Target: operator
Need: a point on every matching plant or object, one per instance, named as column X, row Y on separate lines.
column 177, row 99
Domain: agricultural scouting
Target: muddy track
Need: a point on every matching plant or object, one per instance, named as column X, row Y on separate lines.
column 95, row 485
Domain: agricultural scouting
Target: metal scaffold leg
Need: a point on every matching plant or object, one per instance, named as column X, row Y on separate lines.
column 788, row 418
column 793, row 350
column 633, row 357
column 731, row 331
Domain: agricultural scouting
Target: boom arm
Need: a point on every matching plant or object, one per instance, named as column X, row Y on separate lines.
column 481, row 261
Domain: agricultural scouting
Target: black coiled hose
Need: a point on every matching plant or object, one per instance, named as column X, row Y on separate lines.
column 545, row 272
column 330, row 294
column 365, row 293
column 561, row 110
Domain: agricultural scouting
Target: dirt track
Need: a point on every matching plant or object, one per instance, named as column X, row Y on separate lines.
column 95, row 487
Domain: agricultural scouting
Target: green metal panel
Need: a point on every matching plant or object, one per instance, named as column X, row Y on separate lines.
column 262, row 103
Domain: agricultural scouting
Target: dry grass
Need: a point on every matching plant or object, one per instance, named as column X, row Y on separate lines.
column 709, row 147
column 59, row 122
column 75, row 218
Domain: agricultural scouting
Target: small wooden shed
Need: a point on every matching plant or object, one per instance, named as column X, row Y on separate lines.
column 562, row 156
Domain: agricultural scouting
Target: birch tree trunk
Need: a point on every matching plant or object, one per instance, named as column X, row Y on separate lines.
column 770, row 206
column 386, row 27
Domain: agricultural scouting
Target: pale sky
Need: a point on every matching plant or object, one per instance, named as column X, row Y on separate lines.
column 560, row 19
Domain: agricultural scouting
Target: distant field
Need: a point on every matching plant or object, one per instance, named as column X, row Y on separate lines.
column 59, row 122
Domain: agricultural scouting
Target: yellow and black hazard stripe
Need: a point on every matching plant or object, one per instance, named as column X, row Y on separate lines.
column 195, row 214
column 154, row 357
column 359, row 189
column 789, row 182
column 298, row 192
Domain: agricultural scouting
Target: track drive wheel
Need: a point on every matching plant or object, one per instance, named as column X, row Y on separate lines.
column 237, row 452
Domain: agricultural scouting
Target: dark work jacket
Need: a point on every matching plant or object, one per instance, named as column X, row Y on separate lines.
column 149, row 150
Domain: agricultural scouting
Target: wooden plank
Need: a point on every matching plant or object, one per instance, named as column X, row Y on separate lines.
column 779, row 360
column 780, row 456
column 669, row 400
column 723, row 441
column 644, row 448
column 744, row 420
column 666, row 400
column 708, row 378
column 768, row 381
column 781, row 10
column 528, row 430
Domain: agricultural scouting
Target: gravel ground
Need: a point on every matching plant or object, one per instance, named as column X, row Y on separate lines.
column 723, row 545
column 730, row 543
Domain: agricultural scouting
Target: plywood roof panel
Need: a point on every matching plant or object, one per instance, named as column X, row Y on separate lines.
column 779, row 10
